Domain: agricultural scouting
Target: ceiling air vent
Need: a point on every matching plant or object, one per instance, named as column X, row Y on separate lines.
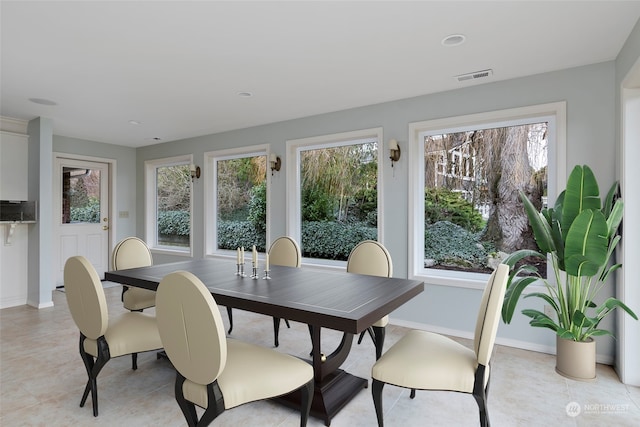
column 474, row 76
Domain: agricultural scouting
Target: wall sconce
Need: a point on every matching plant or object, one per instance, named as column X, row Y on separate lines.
column 276, row 163
column 195, row 172
column 394, row 151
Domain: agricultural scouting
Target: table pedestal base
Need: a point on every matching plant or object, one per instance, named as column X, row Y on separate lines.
column 330, row 395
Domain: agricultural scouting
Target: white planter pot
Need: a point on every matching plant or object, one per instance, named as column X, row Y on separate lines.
column 576, row 359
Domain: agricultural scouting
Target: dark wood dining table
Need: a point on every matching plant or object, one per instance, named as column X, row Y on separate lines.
column 337, row 300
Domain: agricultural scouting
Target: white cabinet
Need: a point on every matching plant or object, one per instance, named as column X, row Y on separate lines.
column 14, row 150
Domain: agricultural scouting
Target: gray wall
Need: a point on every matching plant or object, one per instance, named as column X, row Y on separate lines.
column 591, row 139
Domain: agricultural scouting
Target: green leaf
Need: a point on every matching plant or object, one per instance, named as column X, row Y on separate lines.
column 540, row 226
column 583, row 321
column 609, row 200
column 549, row 300
column 586, row 244
column 540, row 320
column 598, row 332
column 582, row 193
column 615, row 217
column 517, row 256
column 514, row 290
column 613, row 303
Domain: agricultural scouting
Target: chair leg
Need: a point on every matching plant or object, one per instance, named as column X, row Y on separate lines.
column 287, row 322
column 480, row 395
column 413, row 393
column 376, row 392
column 134, row 361
column 93, row 368
column 230, row 315
column 276, row 331
column 188, row 408
column 379, row 333
column 215, row 404
column 305, row 402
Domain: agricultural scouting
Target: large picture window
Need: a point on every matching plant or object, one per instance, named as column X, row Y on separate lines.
column 168, row 201
column 335, row 194
column 467, row 213
column 237, row 200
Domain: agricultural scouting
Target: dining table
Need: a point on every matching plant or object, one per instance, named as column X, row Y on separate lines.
column 321, row 298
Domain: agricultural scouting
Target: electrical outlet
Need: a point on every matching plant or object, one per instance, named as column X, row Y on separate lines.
column 549, row 311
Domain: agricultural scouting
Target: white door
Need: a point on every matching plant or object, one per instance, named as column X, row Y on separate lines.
column 81, row 221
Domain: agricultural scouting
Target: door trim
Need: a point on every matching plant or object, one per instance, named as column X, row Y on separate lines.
column 111, row 193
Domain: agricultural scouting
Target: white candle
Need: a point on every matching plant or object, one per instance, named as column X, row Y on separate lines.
column 242, row 255
column 393, row 144
column 266, row 262
column 238, row 256
column 254, row 255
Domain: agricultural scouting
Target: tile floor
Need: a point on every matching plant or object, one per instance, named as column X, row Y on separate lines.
column 42, row 379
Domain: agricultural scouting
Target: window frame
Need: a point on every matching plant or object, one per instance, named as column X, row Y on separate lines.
column 293, row 201
column 210, row 194
column 151, row 206
column 553, row 113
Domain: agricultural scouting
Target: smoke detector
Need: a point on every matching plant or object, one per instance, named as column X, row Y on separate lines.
column 474, row 75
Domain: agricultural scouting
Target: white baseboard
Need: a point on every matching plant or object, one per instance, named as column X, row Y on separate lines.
column 12, row 301
column 507, row 342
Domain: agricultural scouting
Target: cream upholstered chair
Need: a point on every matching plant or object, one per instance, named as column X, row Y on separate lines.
column 213, row 372
column 103, row 337
column 427, row 361
column 283, row 251
column 132, row 252
column 372, row 258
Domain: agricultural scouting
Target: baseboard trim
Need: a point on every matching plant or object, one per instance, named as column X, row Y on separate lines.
column 507, row 342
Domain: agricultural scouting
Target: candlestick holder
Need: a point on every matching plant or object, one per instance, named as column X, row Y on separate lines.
column 240, row 270
column 266, row 275
column 254, row 270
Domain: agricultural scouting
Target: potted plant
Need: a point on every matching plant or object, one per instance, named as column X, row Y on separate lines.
column 577, row 237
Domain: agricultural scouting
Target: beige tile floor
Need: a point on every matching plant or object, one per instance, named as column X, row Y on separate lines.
column 42, row 379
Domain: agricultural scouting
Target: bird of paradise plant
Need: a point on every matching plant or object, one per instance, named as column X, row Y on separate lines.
column 578, row 237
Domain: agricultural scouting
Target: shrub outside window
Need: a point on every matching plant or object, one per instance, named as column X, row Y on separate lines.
column 169, row 188
column 241, row 202
column 336, row 194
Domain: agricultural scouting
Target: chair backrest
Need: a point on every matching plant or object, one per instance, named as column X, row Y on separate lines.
column 191, row 327
column 371, row 258
column 131, row 252
column 489, row 314
column 285, row 251
column 85, row 297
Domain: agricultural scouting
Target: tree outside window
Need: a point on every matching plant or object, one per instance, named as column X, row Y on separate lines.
column 173, row 205
column 472, row 213
column 339, row 200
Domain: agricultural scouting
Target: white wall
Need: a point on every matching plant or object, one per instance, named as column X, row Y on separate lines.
column 628, row 97
column 13, row 186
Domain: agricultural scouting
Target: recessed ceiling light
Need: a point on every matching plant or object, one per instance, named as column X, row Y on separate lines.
column 453, row 40
column 42, row 101
column 245, row 94
column 134, row 122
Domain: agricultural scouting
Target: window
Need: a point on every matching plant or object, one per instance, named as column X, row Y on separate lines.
column 467, row 172
column 237, row 199
column 335, row 199
column 168, row 204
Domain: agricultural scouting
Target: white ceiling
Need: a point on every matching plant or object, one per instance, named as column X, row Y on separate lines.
column 177, row 67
